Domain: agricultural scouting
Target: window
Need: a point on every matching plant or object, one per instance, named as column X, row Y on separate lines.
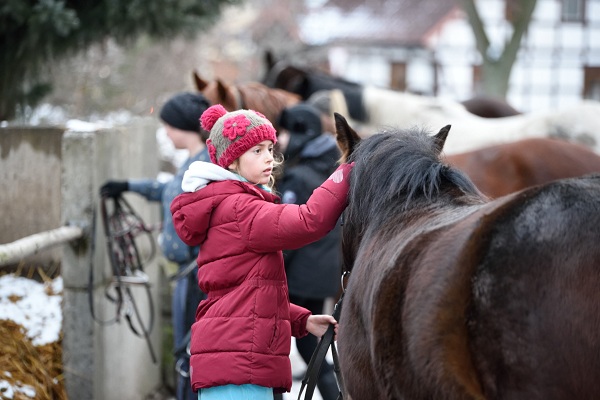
column 511, row 9
column 398, row 81
column 477, row 76
column 573, row 10
column 591, row 83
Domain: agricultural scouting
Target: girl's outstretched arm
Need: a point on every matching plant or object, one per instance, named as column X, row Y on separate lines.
column 292, row 226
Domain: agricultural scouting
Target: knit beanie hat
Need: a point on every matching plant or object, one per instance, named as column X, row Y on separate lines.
column 233, row 133
column 303, row 122
column 183, row 111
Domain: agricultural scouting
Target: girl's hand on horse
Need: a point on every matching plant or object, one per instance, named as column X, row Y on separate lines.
column 318, row 324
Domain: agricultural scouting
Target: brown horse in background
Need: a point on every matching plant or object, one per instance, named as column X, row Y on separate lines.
column 453, row 296
column 250, row 95
column 506, row 168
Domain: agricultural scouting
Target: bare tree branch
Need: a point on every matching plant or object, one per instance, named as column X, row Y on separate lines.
column 481, row 38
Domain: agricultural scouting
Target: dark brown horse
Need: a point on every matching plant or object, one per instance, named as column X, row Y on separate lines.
column 250, row 95
column 506, row 168
column 307, row 81
column 453, row 296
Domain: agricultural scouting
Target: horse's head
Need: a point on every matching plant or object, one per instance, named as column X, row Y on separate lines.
column 397, row 174
column 218, row 92
column 289, row 78
column 348, row 139
column 250, row 95
column 281, row 75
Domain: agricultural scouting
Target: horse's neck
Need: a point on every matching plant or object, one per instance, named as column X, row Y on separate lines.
column 402, row 228
column 417, row 219
column 438, row 216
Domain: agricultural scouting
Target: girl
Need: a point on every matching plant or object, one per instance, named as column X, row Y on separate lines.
column 242, row 335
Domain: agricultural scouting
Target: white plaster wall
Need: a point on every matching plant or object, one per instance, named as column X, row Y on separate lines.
column 548, row 72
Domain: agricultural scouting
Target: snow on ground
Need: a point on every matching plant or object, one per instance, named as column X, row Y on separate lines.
column 33, row 305
column 37, row 308
column 8, row 392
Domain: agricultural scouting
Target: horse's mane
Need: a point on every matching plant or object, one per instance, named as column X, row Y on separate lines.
column 399, row 169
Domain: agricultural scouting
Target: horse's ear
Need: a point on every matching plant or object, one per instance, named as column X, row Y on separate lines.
column 440, row 138
column 222, row 90
column 346, row 137
column 269, row 60
column 200, row 83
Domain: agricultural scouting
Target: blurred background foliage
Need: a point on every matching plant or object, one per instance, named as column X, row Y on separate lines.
column 44, row 41
column 68, row 59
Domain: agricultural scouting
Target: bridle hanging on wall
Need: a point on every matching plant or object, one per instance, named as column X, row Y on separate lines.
column 123, row 227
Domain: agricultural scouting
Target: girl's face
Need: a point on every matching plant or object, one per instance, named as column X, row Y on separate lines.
column 256, row 164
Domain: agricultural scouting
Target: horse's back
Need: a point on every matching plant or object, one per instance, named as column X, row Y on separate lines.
column 489, row 107
column 506, row 168
column 534, row 315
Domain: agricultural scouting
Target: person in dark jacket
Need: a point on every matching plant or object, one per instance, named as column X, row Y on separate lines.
column 242, row 335
column 181, row 118
column 313, row 271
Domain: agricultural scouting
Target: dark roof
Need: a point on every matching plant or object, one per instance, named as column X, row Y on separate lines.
column 404, row 22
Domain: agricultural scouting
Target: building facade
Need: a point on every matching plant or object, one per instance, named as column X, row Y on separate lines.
column 428, row 47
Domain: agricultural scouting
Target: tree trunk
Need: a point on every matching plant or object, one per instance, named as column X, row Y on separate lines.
column 496, row 70
column 495, row 78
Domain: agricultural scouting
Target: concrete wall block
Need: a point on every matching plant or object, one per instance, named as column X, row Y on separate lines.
column 114, row 360
column 30, row 172
column 78, row 346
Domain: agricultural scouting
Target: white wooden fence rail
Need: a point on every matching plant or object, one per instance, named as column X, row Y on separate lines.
column 12, row 253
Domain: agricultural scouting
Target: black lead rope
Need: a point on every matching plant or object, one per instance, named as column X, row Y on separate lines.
column 311, row 376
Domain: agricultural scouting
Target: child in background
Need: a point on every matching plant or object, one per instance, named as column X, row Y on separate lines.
column 180, row 116
column 242, row 335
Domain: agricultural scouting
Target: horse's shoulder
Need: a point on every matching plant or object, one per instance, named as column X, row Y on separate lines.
column 552, row 207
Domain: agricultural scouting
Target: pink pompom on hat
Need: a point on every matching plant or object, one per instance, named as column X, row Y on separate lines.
column 233, row 133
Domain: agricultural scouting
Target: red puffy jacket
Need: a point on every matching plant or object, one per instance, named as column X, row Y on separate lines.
column 243, row 330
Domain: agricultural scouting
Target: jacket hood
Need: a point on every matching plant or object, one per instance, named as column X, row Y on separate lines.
column 192, row 211
column 201, row 173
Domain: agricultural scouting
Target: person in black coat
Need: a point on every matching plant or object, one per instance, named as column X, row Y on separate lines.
column 313, row 272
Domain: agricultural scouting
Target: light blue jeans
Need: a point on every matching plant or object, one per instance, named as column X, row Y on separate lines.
column 236, row 392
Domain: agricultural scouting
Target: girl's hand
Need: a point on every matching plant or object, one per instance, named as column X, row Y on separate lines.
column 318, row 324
